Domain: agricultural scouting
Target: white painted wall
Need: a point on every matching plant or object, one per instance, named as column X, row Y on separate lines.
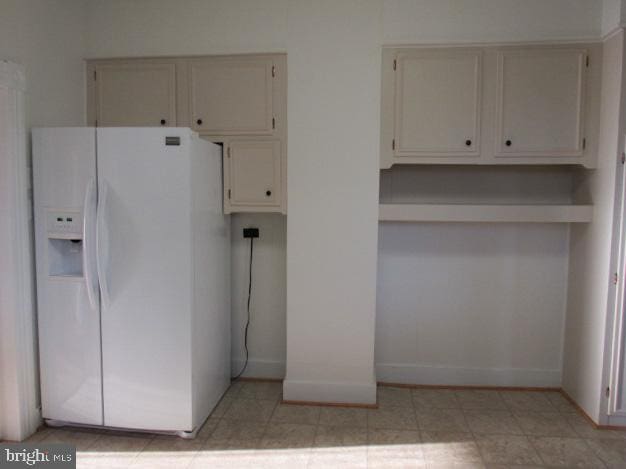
column 333, row 53
column 465, row 303
column 590, row 276
column 47, row 38
column 168, row 27
column 428, row 21
column 127, row 28
column 266, row 334
column 613, row 15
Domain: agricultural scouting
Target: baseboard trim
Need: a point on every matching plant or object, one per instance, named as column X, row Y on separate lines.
column 582, row 412
column 471, row 387
column 481, row 377
column 331, row 404
column 339, row 392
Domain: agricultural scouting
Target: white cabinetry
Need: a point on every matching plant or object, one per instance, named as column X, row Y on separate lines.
column 525, row 104
column 239, row 101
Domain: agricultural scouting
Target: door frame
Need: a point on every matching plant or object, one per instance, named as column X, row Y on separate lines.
column 19, row 398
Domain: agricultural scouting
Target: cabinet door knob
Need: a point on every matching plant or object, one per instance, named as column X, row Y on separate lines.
column 508, row 143
column 163, row 122
column 199, row 122
column 268, row 193
column 468, row 143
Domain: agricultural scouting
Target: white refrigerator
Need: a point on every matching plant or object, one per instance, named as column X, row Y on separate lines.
column 133, row 277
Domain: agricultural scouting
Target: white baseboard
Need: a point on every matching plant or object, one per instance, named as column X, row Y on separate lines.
column 438, row 375
column 330, row 392
column 259, row 368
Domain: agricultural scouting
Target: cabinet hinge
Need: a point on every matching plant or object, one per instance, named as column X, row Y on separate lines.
column 395, row 63
column 393, row 144
column 615, row 278
column 587, row 62
column 95, row 75
column 96, row 123
column 584, row 143
column 623, row 158
column 229, row 193
column 607, row 391
column 273, row 71
column 228, row 152
column 273, row 123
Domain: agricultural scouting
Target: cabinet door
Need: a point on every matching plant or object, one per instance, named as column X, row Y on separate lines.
column 437, row 103
column 231, row 95
column 135, row 94
column 540, row 101
column 254, row 173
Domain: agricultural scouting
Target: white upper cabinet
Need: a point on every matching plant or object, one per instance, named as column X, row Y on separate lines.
column 239, row 101
column 134, row 94
column 232, row 95
column 437, row 103
column 253, row 175
column 540, row 102
column 522, row 104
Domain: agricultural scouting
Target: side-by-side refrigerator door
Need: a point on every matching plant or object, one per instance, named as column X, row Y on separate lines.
column 144, row 266
column 65, row 198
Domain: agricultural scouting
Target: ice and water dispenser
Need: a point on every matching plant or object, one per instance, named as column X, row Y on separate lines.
column 65, row 243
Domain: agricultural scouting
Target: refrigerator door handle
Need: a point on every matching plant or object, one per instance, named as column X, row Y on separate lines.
column 102, row 244
column 89, row 211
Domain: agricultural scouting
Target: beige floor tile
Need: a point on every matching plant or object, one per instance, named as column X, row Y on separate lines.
column 395, row 418
column 394, row 397
column 288, row 435
column 507, row 449
column 566, row 452
column 527, row 400
column 263, row 390
column 227, row 459
column 234, row 389
column 294, row 458
column 394, row 449
column 512, row 466
column 207, row 428
column 494, row 422
column 480, row 399
column 611, row 452
column 453, row 449
column 114, row 451
column 349, row 417
column 82, row 440
column 41, row 434
column 355, row 458
column 560, row 403
column 435, row 399
column 289, row 413
column 222, row 407
column 167, row 452
column 441, row 420
column 236, row 434
column 251, row 410
column 585, row 429
column 456, row 465
column 544, row 424
column 340, row 436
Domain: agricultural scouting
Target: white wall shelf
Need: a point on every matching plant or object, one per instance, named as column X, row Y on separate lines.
column 485, row 213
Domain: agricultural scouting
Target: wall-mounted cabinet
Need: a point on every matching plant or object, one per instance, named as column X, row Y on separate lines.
column 239, row 101
column 131, row 93
column 490, row 105
column 437, row 103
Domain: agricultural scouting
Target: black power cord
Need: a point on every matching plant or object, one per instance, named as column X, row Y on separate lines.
column 245, row 340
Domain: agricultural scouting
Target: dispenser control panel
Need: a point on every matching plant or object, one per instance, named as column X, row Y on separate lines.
column 65, row 224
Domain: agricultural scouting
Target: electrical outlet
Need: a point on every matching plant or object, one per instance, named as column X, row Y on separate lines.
column 250, row 232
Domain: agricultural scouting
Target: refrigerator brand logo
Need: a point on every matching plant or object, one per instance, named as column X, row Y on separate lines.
column 28, row 457
column 40, row 455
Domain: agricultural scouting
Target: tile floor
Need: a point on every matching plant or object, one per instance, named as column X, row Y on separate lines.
column 413, row 428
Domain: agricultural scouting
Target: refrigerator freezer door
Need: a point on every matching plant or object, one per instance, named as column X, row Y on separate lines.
column 145, row 232
column 64, row 161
